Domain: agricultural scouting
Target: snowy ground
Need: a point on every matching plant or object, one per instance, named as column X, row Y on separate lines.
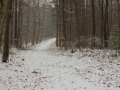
column 45, row 67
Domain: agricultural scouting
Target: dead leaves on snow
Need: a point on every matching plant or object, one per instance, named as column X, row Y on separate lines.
column 35, row 72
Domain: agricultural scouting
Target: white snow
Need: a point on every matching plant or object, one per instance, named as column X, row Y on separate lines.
column 46, row 67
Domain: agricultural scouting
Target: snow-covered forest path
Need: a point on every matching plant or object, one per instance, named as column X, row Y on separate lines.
column 45, row 67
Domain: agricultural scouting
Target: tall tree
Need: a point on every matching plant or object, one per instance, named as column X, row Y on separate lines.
column 16, row 23
column 94, row 26
column 28, row 22
column 2, row 10
column 6, row 35
column 106, row 25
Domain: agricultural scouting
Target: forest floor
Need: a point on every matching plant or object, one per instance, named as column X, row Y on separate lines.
column 46, row 67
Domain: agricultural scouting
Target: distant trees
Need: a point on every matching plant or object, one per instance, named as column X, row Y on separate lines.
column 21, row 22
column 88, row 23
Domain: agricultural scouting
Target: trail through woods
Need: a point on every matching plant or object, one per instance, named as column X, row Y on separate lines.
column 45, row 67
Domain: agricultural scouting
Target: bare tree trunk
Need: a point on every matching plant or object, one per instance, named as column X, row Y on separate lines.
column 77, row 19
column 16, row 25
column 94, row 27
column 57, row 23
column 105, row 25
column 6, row 36
column 19, row 21
column 64, row 19
column 102, row 22
column 2, row 10
column 34, row 27
column 118, row 1
column 11, row 31
column 27, row 26
column 39, row 30
column 60, row 22
column 42, row 26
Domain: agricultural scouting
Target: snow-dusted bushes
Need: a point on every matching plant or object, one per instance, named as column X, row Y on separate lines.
column 114, row 38
column 84, row 42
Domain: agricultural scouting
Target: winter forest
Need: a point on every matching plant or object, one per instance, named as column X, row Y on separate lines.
column 59, row 44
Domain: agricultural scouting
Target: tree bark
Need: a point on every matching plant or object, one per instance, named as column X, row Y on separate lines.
column 2, row 10
column 6, row 36
column 105, row 25
column 16, row 25
column 94, row 27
